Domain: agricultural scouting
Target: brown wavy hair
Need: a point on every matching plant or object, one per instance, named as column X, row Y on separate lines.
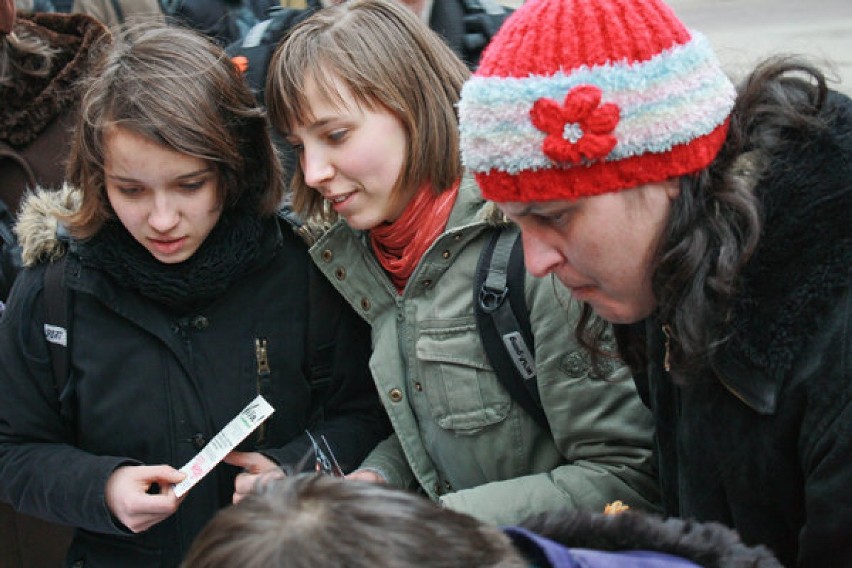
column 388, row 59
column 715, row 224
column 177, row 88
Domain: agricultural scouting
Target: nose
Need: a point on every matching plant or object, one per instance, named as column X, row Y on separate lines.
column 164, row 215
column 316, row 167
column 541, row 255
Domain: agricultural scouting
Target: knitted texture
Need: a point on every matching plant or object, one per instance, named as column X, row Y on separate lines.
column 575, row 98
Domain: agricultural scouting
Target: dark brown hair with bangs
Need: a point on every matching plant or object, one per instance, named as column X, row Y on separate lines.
column 387, row 58
column 176, row 88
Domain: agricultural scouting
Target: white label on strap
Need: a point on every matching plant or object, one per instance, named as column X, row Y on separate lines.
column 520, row 354
column 226, row 440
column 56, row 334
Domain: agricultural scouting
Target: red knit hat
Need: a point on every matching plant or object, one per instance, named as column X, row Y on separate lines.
column 575, row 98
column 7, row 16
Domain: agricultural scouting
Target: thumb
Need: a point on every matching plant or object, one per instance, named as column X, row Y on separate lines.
column 167, row 474
column 239, row 459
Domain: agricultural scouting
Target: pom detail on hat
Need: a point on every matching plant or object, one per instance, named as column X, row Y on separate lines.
column 642, row 100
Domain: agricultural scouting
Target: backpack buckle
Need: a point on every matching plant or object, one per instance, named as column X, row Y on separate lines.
column 490, row 299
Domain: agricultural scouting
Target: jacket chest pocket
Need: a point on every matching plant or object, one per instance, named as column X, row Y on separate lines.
column 462, row 389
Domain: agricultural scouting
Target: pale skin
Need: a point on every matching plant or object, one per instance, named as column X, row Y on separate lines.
column 602, row 248
column 169, row 203
column 352, row 156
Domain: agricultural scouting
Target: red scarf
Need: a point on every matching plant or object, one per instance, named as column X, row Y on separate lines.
column 400, row 245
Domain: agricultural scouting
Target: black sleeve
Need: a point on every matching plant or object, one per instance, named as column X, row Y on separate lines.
column 347, row 410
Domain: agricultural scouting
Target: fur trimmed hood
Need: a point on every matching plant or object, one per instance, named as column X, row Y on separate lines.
column 31, row 103
column 38, row 227
column 711, row 545
column 803, row 260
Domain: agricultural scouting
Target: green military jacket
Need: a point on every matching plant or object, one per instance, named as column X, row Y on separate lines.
column 458, row 434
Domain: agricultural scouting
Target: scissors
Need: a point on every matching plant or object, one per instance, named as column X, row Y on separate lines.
column 325, row 460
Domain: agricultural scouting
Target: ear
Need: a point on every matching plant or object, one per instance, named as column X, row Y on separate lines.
column 672, row 188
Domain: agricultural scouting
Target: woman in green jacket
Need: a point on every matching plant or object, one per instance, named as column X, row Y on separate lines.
column 366, row 93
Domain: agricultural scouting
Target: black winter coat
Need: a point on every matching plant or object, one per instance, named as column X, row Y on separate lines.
column 766, row 446
column 153, row 387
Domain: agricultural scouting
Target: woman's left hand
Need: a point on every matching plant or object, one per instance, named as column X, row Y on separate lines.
column 255, row 466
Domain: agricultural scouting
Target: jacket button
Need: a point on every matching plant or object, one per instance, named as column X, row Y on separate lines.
column 449, row 486
column 427, row 283
column 395, row 395
column 457, row 237
column 438, row 488
column 200, row 322
column 199, row 441
column 327, row 255
column 365, row 304
column 418, row 387
column 340, row 273
column 445, row 254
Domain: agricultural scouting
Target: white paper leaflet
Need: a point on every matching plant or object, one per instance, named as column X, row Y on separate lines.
column 226, row 440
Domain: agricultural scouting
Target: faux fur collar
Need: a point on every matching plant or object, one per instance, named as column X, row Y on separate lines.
column 804, row 256
column 707, row 544
column 30, row 104
column 37, row 226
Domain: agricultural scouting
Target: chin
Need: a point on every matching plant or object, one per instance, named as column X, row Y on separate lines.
column 620, row 314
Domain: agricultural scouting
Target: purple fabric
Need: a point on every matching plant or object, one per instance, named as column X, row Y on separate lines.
column 545, row 553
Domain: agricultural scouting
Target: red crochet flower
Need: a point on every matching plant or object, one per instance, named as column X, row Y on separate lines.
column 579, row 129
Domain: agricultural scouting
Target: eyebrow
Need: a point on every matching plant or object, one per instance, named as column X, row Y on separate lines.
column 315, row 125
column 182, row 176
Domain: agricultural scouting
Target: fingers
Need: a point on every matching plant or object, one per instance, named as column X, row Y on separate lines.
column 257, row 468
column 252, row 462
column 127, row 495
column 366, row 475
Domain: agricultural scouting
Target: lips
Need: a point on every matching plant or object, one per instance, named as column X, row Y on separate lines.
column 335, row 199
column 339, row 201
column 167, row 246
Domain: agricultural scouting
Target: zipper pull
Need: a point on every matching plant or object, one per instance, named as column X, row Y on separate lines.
column 262, row 356
column 667, row 330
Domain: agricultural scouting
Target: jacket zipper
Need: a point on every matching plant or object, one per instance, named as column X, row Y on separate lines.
column 261, row 355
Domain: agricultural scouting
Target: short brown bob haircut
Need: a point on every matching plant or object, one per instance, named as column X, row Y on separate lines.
column 177, row 88
column 388, row 59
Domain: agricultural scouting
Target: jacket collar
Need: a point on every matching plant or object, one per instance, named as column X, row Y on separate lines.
column 801, row 265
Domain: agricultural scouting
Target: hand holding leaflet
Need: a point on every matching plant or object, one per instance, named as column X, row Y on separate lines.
column 226, row 440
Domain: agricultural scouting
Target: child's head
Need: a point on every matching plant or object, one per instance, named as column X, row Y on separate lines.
column 175, row 88
column 375, row 55
column 314, row 520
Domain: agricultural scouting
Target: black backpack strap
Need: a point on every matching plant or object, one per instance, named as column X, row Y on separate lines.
column 503, row 319
column 119, row 11
column 324, row 309
column 10, row 252
column 259, row 43
column 57, row 305
column 482, row 20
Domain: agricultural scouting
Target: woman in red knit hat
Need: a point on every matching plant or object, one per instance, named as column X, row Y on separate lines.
column 711, row 225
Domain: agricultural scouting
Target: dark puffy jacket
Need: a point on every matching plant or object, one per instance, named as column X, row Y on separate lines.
column 153, row 387
column 764, row 446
